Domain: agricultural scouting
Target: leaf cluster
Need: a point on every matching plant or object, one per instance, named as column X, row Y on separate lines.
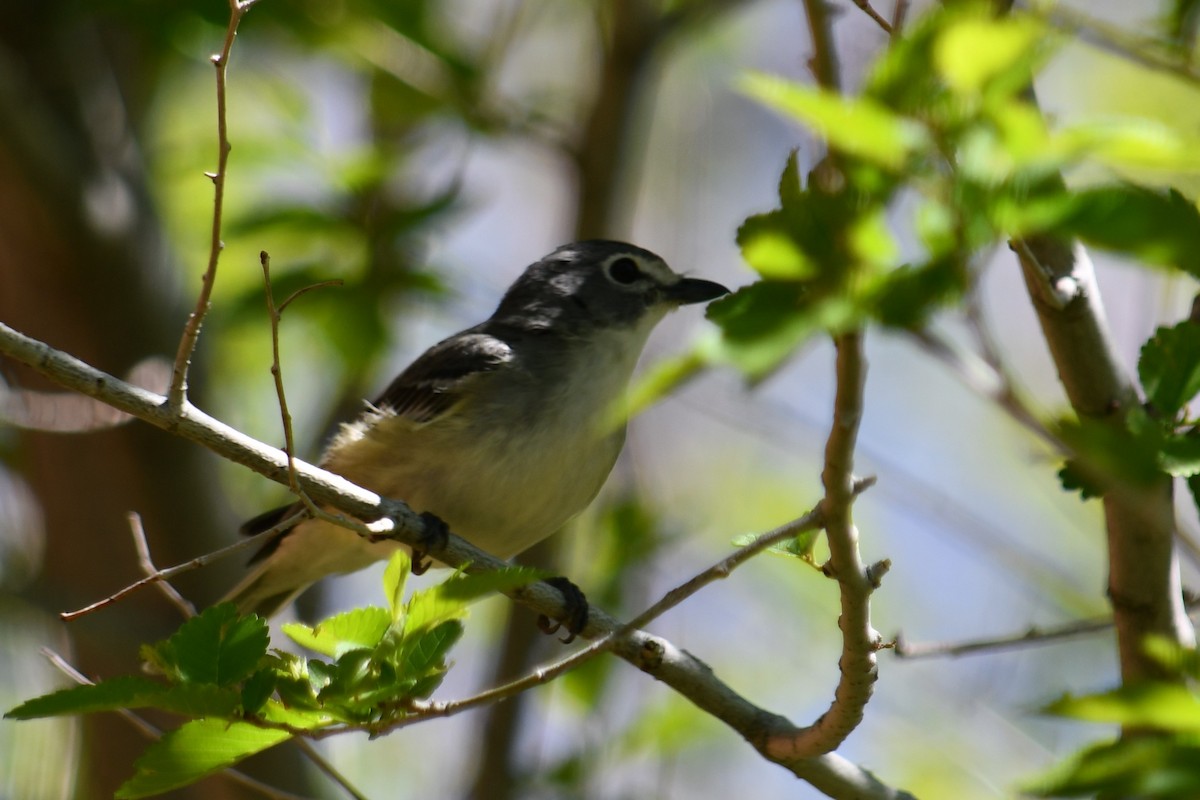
column 1161, row 438
column 943, row 155
column 241, row 697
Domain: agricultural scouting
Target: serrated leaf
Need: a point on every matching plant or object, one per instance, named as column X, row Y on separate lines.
column 131, row 691
column 1073, row 478
column 858, row 126
column 1169, row 368
column 1163, row 706
column 1180, row 455
column 215, row 646
column 428, row 650
column 124, row 692
column 972, row 51
column 193, row 751
column 350, row 630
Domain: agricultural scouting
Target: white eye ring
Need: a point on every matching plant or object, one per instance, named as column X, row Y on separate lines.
column 625, row 271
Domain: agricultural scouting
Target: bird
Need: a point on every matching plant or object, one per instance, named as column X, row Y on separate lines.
column 504, row 431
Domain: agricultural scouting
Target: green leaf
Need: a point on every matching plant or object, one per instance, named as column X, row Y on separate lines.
column 972, row 51
column 257, row 690
column 771, row 252
column 425, row 655
column 1164, row 706
column 467, row 587
column 1109, row 455
column 124, row 692
column 395, row 576
column 800, row 546
column 1169, row 653
column 1127, row 143
column 1075, row 478
column 1143, row 767
column 1180, row 455
column 860, row 126
column 214, row 647
column 131, row 691
column 1161, row 228
column 764, row 323
column 350, row 630
column 1169, row 368
column 193, row 751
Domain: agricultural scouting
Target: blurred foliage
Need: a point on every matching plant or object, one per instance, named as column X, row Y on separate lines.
column 1162, row 760
column 241, row 699
column 943, row 120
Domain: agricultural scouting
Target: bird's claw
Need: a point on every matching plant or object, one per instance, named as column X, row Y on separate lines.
column 435, row 537
column 576, row 616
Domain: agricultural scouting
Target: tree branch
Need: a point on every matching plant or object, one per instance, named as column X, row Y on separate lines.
column 1143, row 584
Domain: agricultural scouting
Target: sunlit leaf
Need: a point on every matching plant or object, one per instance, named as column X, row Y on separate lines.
column 350, row 630
column 1163, row 706
column 193, row 751
column 1128, row 143
column 395, row 576
column 772, row 253
column 857, row 126
column 974, row 50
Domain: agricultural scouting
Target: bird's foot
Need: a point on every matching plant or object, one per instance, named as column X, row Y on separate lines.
column 576, row 617
column 435, row 537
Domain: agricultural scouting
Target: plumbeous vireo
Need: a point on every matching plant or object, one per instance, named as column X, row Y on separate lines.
column 503, row 431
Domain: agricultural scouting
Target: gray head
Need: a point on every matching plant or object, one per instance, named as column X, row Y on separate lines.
column 597, row 284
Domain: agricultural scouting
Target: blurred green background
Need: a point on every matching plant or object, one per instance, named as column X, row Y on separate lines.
column 424, row 153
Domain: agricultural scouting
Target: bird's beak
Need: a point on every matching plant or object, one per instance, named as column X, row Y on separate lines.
column 694, row 290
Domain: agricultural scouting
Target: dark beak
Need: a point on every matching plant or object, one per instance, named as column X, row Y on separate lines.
column 694, row 290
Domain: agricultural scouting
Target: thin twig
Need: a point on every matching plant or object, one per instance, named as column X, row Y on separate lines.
column 325, row 765
column 177, row 393
column 1031, row 636
column 879, row 19
column 899, row 13
column 275, row 314
column 152, row 732
column 187, row 566
column 148, row 569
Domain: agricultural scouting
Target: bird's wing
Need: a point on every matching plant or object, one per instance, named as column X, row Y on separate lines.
column 434, row 383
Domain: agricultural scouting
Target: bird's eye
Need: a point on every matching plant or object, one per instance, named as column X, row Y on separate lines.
column 624, row 270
